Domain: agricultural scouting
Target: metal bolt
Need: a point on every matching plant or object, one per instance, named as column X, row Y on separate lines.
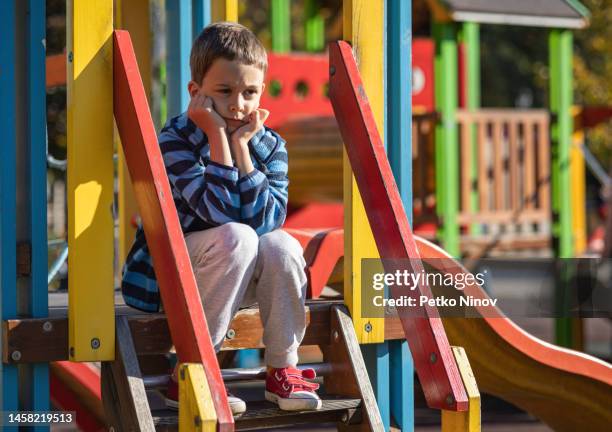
column 47, row 326
column 95, row 343
column 368, row 327
column 71, row 351
column 70, row 56
column 16, row 355
column 450, row 399
column 336, row 336
column 197, row 421
column 332, row 70
column 182, row 373
column 345, row 417
column 231, row 334
column 433, row 358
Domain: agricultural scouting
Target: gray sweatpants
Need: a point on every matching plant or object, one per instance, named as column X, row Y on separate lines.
column 234, row 267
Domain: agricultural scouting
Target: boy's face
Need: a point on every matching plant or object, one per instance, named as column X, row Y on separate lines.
column 235, row 89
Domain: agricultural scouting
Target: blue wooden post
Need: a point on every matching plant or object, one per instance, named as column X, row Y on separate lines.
column 376, row 358
column 8, row 263
column 36, row 167
column 399, row 148
column 201, row 15
column 179, row 30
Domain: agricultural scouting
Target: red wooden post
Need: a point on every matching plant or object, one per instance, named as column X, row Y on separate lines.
column 433, row 358
column 173, row 270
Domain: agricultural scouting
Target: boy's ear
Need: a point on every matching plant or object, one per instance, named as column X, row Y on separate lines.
column 193, row 88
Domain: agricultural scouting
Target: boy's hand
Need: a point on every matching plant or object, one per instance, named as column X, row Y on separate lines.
column 203, row 114
column 243, row 134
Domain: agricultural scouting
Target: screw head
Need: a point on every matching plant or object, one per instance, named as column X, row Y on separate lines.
column 450, row 399
column 332, row 70
column 336, row 336
column 16, row 355
column 368, row 327
column 47, row 326
column 197, row 421
column 95, row 343
column 433, row 358
column 182, row 373
column 70, row 56
column 345, row 417
column 71, row 351
column 231, row 334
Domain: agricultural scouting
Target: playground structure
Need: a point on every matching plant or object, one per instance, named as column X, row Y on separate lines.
column 141, row 341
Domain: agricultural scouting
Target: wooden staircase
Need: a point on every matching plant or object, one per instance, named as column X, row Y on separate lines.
column 349, row 398
column 130, row 383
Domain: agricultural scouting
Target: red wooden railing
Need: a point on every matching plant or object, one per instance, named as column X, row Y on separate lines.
column 178, row 288
column 433, row 358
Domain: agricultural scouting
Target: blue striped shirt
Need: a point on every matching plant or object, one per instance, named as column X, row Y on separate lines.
column 207, row 194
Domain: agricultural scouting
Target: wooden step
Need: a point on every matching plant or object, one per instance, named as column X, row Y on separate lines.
column 264, row 414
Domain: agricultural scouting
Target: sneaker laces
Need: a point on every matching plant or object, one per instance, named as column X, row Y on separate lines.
column 295, row 379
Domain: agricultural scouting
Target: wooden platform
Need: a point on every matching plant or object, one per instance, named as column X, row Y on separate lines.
column 46, row 339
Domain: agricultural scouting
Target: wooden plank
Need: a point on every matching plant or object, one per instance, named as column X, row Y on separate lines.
column 90, row 180
column 135, row 18
column 349, row 375
column 515, row 179
column 177, row 283
column 467, row 421
column 196, row 408
column 544, row 174
column 440, row 379
column 466, row 165
column 123, row 391
column 483, row 167
column 46, row 339
column 498, row 166
column 363, row 26
column 529, row 190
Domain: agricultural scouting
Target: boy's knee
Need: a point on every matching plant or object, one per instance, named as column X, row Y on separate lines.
column 238, row 239
column 281, row 246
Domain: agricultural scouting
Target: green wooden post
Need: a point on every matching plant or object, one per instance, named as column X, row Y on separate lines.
column 280, row 11
column 447, row 152
column 471, row 41
column 314, row 26
column 561, row 96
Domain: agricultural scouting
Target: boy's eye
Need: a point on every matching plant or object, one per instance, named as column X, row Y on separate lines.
column 225, row 91
column 251, row 92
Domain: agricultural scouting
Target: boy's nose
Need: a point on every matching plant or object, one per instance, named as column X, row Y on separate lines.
column 236, row 105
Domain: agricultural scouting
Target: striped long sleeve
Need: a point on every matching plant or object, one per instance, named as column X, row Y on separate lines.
column 210, row 191
column 264, row 191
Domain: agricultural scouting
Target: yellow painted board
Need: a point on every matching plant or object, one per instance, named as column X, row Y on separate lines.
column 363, row 27
column 90, row 180
column 578, row 182
column 133, row 16
column 224, row 10
column 196, row 408
column 466, row 421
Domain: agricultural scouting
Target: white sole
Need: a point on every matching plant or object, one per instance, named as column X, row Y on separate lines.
column 237, row 410
column 287, row 404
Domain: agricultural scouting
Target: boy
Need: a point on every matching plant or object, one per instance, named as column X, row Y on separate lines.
column 228, row 174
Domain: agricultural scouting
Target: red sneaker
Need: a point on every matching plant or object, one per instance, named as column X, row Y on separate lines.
column 287, row 388
column 237, row 405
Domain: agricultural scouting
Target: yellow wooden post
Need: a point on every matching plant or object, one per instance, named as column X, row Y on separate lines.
column 90, row 180
column 196, row 408
column 224, row 10
column 466, row 421
column 363, row 27
column 578, row 181
column 133, row 16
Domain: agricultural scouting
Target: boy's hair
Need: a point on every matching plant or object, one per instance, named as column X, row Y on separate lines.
column 228, row 40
